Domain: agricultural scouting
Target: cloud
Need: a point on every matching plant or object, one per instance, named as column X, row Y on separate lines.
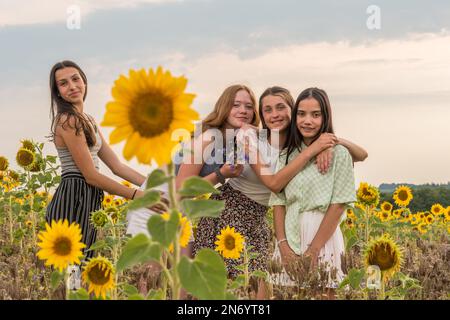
column 13, row 13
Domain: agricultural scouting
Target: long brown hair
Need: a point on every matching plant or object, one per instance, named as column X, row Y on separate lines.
column 218, row 117
column 295, row 138
column 60, row 107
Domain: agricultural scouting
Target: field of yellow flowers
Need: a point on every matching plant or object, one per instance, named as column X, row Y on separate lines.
column 391, row 252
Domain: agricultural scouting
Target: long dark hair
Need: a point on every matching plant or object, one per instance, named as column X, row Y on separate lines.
column 60, row 107
column 274, row 91
column 295, row 138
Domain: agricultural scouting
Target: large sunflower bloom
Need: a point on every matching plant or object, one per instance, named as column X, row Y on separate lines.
column 386, row 206
column 60, row 244
column 384, row 253
column 99, row 274
column 402, row 196
column 148, row 107
column 230, row 244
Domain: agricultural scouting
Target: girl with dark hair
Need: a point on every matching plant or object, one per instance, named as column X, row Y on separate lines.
column 80, row 145
column 308, row 211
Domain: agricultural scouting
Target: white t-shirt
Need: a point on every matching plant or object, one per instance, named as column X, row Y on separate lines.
column 248, row 182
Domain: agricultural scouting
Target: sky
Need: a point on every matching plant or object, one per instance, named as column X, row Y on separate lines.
column 385, row 66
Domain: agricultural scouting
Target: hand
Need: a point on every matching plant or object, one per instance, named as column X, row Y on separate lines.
column 323, row 160
column 160, row 207
column 314, row 255
column 288, row 255
column 231, row 171
column 325, row 141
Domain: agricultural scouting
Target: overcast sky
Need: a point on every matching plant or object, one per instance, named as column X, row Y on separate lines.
column 389, row 87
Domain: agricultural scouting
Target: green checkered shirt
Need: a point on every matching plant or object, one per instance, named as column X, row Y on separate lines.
column 310, row 190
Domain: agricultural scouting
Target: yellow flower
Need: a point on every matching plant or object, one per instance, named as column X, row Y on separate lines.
column 385, row 216
column 29, row 223
column 98, row 273
column 118, row 202
column 386, row 206
column 186, row 230
column 447, row 213
column 422, row 227
column 148, row 107
column 349, row 223
column 3, row 163
column 25, row 158
column 415, row 219
column 368, row 194
column 108, row 200
column 60, row 244
column 350, row 213
column 429, row 219
column 384, row 253
column 402, row 196
column 437, row 209
column 126, row 184
column 113, row 213
column 230, row 244
column 98, row 219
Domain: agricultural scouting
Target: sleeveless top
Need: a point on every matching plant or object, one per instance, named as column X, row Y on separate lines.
column 65, row 157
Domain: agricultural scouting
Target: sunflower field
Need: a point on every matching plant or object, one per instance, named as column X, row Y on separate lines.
column 391, row 252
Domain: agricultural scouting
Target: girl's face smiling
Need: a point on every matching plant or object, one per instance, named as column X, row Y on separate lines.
column 309, row 119
column 70, row 85
column 242, row 111
column 276, row 113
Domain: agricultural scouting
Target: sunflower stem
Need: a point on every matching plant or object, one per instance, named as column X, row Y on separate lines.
column 10, row 218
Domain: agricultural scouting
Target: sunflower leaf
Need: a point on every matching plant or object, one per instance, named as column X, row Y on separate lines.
column 56, row 278
column 156, row 178
column 80, row 294
column 150, row 198
column 100, row 244
column 355, row 277
column 202, row 208
column 163, row 231
column 133, row 252
column 155, row 294
column 196, row 186
column 205, row 276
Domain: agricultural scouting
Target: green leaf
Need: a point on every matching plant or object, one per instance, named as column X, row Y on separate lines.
column 138, row 249
column 130, row 289
column 205, row 276
column 51, row 159
column 156, row 178
column 355, row 277
column 100, row 244
column 350, row 243
column 259, row 274
column 359, row 213
column 149, row 199
column 202, row 208
column 163, row 231
column 136, row 296
column 155, row 294
column 80, row 294
column 55, row 278
column 196, row 186
column 230, row 296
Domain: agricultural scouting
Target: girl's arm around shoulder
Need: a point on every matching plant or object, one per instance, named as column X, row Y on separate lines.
column 358, row 153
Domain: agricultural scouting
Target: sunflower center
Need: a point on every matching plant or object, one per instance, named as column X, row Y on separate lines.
column 230, row 243
column 152, row 114
column 383, row 258
column 403, row 195
column 98, row 276
column 62, row 246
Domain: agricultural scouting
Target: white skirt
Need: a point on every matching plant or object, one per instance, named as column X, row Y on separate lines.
column 329, row 254
column 137, row 219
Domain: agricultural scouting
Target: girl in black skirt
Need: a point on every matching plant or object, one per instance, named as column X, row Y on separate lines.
column 80, row 145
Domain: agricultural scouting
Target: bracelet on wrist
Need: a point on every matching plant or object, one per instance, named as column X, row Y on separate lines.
column 280, row 241
column 134, row 193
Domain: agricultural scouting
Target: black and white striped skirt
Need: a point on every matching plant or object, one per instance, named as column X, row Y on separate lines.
column 74, row 200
